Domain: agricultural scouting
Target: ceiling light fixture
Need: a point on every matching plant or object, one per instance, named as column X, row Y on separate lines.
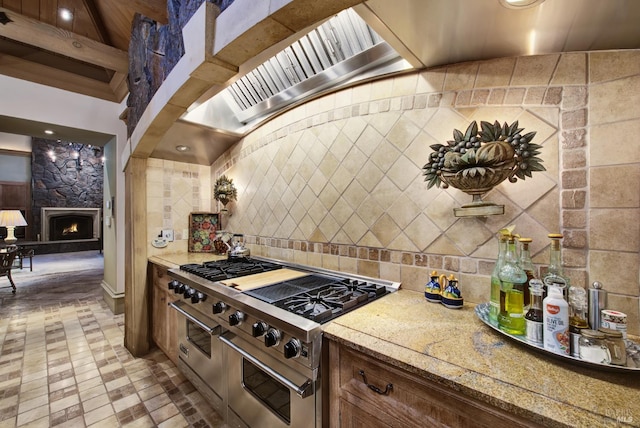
column 48, row 132
column 65, row 14
column 520, row 4
column 182, row 148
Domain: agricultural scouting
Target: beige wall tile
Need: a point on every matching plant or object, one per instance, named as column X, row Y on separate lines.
column 614, row 229
column 534, row 70
column 614, row 270
column 495, row 73
column 615, row 186
column 571, row 70
column 603, row 137
column 604, row 66
column 629, row 306
column 460, row 76
column 615, row 101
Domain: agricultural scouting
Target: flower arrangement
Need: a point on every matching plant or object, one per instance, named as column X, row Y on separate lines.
column 479, row 159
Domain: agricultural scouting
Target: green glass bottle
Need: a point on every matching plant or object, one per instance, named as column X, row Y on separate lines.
column 494, row 305
column 513, row 279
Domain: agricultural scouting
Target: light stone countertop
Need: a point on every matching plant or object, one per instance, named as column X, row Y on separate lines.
column 174, row 260
column 455, row 349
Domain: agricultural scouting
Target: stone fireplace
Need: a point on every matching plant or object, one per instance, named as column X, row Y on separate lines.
column 70, row 224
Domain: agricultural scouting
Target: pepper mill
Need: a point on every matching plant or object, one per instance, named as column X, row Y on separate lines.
column 597, row 302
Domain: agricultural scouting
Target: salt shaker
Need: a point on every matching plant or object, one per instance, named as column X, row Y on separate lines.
column 597, row 302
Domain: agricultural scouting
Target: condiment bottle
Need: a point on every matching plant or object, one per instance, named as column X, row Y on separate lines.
column 555, row 275
column 577, row 316
column 432, row 290
column 527, row 265
column 494, row 305
column 512, row 281
column 615, row 343
column 555, row 315
column 593, row 348
column 533, row 317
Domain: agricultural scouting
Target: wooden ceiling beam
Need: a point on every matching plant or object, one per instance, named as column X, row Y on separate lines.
column 49, row 76
column 98, row 23
column 45, row 36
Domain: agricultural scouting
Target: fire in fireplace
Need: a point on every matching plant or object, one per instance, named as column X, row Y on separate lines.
column 70, row 227
column 65, row 224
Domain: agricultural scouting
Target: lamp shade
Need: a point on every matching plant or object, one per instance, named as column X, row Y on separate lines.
column 12, row 218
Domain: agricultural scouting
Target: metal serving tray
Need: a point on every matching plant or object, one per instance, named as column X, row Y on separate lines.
column 482, row 311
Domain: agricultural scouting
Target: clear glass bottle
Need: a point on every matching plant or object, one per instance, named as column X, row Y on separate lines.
column 495, row 280
column 512, row 281
column 533, row 317
column 527, row 265
column 555, row 275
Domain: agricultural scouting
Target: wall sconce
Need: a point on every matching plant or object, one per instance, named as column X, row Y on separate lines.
column 11, row 219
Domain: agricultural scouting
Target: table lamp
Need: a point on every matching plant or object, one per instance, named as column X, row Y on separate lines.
column 10, row 219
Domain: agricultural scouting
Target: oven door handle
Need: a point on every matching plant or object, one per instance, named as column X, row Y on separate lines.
column 193, row 319
column 303, row 391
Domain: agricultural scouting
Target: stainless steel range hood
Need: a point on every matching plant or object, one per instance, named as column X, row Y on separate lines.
column 338, row 52
column 426, row 33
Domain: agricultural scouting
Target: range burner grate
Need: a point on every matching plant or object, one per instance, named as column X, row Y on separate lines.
column 219, row 270
column 319, row 298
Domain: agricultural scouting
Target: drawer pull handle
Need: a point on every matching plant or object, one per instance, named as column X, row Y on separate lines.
column 374, row 388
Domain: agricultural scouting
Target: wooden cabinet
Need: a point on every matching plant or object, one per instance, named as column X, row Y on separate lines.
column 164, row 323
column 401, row 399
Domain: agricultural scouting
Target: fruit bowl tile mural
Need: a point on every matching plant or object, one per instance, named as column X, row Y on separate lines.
column 202, row 232
column 479, row 159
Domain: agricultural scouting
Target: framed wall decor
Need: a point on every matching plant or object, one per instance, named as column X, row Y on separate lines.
column 202, row 232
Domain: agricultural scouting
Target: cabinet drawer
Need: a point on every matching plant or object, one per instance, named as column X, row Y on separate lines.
column 393, row 394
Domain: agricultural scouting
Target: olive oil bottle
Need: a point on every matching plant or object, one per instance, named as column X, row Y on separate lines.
column 513, row 279
column 494, row 308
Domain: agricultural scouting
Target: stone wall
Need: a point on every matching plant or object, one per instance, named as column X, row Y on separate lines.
column 60, row 183
column 154, row 50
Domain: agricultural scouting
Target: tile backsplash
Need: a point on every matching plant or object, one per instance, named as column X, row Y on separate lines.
column 337, row 182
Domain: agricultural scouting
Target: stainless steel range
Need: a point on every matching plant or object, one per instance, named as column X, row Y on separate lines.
column 250, row 335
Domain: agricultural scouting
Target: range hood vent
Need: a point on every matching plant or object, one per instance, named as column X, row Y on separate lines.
column 339, row 49
column 340, row 52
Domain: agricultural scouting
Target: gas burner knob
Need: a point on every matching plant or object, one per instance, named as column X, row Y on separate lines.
column 179, row 289
column 173, row 284
column 292, row 348
column 259, row 328
column 236, row 318
column 198, row 297
column 272, row 338
column 219, row 307
column 188, row 292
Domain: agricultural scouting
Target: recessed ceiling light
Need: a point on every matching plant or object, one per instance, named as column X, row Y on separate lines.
column 182, row 148
column 65, row 14
column 520, row 4
column 48, row 132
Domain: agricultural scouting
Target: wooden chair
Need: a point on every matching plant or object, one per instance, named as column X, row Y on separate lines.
column 6, row 263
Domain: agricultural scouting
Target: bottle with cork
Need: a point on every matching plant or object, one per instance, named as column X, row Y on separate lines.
column 512, row 282
column 555, row 275
column 527, row 265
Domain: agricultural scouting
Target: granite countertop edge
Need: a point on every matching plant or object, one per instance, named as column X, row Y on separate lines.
column 505, row 393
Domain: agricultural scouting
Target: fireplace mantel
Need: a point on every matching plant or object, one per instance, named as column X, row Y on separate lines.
column 49, row 212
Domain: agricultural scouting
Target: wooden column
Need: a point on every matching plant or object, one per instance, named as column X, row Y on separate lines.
column 137, row 338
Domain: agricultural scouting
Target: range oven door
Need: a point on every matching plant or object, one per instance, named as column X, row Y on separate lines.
column 264, row 391
column 198, row 346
